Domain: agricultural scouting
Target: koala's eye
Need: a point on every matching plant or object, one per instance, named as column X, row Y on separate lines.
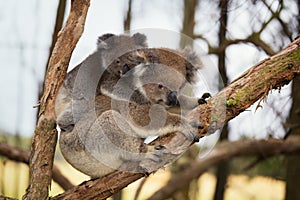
column 160, row 86
column 118, row 61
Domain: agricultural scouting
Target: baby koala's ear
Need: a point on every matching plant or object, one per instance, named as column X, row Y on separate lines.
column 140, row 39
column 193, row 63
column 102, row 42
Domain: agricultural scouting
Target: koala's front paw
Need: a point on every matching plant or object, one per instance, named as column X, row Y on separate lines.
column 68, row 128
column 155, row 153
column 203, row 98
column 190, row 129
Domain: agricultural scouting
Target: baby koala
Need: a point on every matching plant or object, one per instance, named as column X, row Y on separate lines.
column 182, row 66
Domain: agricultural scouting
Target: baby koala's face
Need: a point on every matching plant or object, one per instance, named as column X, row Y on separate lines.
column 123, row 64
column 160, row 84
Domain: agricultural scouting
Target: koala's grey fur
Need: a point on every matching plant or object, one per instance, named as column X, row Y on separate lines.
column 82, row 83
column 104, row 123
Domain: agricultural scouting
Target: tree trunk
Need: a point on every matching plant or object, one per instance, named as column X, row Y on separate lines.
column 45, row 134
column 223, row 167
column 188, row 22
column 293, row 161
column 127, row 20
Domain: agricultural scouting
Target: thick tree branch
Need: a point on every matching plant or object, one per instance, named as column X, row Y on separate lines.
column 45, row 134
column 253, row 85
column 227, row 151
column 21, row 155
column 100, row 188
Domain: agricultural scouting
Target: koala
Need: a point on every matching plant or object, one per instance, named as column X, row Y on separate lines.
column 82, row 84
column 111, row 135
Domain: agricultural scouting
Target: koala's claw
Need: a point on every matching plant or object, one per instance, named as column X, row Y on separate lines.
column 205, row 96
column 68, row 128
column 197, row 138
column 201, row 101
column 159, row 147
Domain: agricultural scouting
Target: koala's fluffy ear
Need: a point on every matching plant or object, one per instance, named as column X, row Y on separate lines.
column 193, row 63
column 101, row 43
column 140, row 39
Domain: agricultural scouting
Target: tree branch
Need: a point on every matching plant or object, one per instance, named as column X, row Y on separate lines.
column 253, row 85
column 226, row 151
column 100, row 188
column 21, row 155
column 253, row 38
column 45, row 134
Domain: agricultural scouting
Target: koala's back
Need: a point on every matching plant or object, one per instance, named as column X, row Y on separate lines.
column 82, row 83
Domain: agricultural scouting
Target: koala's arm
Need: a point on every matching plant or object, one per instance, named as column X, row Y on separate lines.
column 154, row 120
column 187, row 103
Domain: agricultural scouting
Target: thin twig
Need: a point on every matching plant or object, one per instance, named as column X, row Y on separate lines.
column 139, row 189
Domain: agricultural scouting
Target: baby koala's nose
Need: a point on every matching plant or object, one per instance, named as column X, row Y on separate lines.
column 172, row 99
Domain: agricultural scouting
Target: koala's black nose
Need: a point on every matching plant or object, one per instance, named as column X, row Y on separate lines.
column 172, row 99
column 125, row 69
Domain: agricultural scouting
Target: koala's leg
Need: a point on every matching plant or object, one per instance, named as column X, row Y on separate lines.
column 73, row 147
column 177, row 123
column 187, row 103
column 65, row 120
column 116, row 144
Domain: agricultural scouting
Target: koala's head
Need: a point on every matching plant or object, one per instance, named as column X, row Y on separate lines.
column 113, row 46
column 165, row 73
column 121, row 65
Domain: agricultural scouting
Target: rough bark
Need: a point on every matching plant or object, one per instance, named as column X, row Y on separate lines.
column 21, row 155
column 45, row 134
column 100, row 188
column 226, row 151
column 253, row 85
column 60, row 13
